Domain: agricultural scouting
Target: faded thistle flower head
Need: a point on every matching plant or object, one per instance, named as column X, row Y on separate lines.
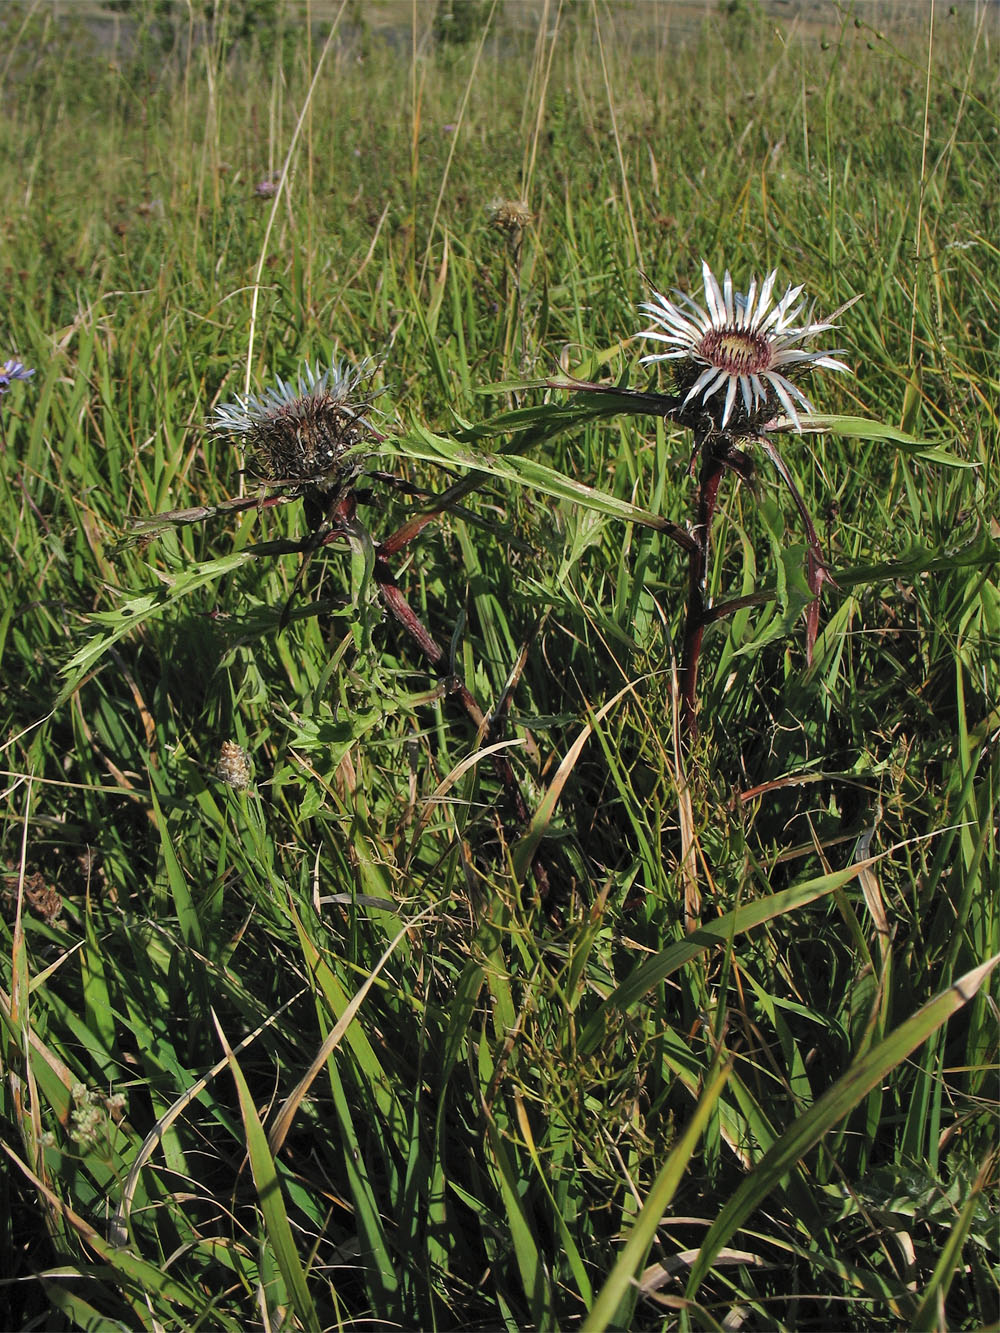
column 510, row 216
column 742, row 343
column 12, row 370
column 300, row 433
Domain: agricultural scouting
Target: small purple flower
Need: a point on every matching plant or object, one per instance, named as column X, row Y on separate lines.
column 12, row 370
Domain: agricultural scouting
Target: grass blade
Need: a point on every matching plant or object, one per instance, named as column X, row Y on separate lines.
column 835, row 1103
column 616, row 1300
column 271, row 1200
column 649, row 975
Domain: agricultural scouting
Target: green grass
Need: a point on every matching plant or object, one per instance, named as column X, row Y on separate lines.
column 372, row 1077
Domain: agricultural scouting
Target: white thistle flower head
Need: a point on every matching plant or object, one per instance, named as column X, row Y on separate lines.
column 297, row 433
column 743, row 343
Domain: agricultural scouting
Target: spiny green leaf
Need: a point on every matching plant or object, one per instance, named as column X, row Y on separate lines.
column 138, row 609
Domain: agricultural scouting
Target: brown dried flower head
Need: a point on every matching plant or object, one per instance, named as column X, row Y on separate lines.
column 306, row 433
column 510, row 216
column 39, row 896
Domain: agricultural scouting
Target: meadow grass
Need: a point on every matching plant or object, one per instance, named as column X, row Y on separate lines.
column 319, row 1053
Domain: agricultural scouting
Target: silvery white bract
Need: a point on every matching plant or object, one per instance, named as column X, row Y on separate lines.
column 338, row 383
column 741, row 342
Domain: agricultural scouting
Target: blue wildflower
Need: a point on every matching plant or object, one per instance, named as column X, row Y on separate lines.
column 12, row 370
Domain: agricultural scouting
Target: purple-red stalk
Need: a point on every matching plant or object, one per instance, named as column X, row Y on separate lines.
column 713, row 464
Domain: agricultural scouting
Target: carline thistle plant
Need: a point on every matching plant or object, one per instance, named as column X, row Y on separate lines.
column 312, row 438
column 309, row 437
column 742, row 343
column 736, row 362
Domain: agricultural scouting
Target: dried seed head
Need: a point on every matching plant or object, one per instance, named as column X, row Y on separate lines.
column 92, row 1115
column 509, row 215
column 234, row 767
column 115, row 1106
column 39, row 896
column 306, row 434
column 87, row 1117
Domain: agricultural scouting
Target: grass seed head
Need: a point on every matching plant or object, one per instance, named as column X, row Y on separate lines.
column 234, row 767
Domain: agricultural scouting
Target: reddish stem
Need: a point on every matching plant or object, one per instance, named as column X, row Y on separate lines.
column 712, row 467
column 404, row 535
column 396, row 603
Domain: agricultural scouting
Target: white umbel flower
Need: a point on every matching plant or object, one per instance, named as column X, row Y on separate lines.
column 740, row 342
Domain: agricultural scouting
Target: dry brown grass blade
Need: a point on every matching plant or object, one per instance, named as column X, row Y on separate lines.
column 656, row 1275
column 872, row 889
